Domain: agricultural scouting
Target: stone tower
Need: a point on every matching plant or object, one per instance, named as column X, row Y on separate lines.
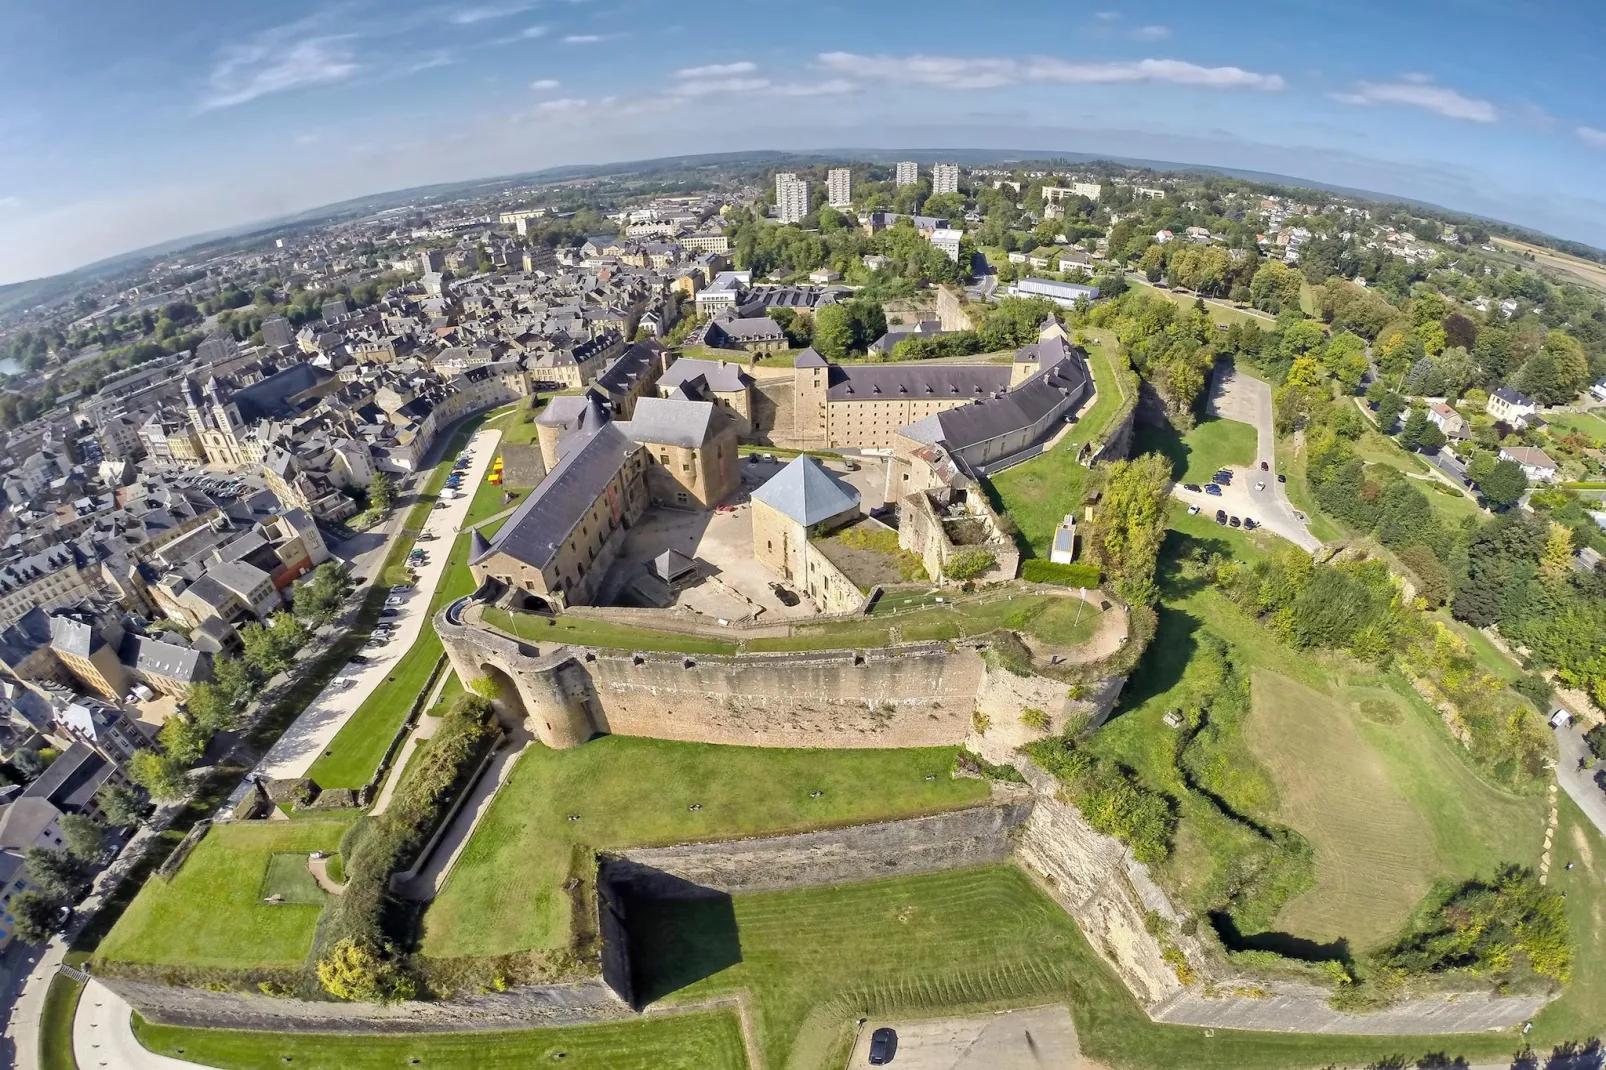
column 811, row 383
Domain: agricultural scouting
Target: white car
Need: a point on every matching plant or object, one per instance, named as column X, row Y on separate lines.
column 1260, row 485
column 1193, row 510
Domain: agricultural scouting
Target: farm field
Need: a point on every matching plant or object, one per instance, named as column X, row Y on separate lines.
column 700, row 1041
column 212, row 914
column 1586, row 271
column 504, row 893
column 1198, row 454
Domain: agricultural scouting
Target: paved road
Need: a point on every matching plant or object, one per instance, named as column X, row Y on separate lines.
column 326, row 715
column 1234, row 396
column 1035, row 1039
column 1579, row 784
column 103, row 1036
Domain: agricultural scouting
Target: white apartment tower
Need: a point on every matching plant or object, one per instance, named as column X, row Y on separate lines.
column 908, row 173
column 791, row 197
column 839, row 187
column 945, row 178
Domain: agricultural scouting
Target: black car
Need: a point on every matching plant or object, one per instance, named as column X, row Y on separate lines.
column 1191, row 486
column 1249, row 525
column 1223, row 476
column 883, row 1046
column 1233, row 521
column 1221, row 516
column 1212, row 488
column 1282, row 479
column 357, row 659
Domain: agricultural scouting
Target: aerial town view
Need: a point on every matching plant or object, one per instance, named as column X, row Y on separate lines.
column 582, row 534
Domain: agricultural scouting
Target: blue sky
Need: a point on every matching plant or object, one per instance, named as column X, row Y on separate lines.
column 128, row 124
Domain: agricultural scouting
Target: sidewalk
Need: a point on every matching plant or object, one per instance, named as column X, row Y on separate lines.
column 304, row 741
column 103, row 1035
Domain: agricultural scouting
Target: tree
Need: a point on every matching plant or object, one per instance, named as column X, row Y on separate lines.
column 1420, row 432
column 184, row 739
column 27, row 762
column 119, row 806
column 1129, row 524
column 319, row 599
column 1388, row 411
column 381, row 491
column 236, row 679
column 34, row 916
column 1276, row 287
column 161, row 775
column 85, row 836
column 272, row 647
column 1556, row 565
column 833, row 331
column 1504, row 484
column 56, row 873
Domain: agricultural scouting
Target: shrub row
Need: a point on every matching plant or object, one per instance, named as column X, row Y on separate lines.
column 1036, row 570
column 1110, row 797
column 376, row 847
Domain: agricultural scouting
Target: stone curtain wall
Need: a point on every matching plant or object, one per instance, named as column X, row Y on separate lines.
column 976, row 836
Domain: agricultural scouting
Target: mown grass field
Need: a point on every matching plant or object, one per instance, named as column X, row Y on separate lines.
column 1198, row 454
column 698, row 1041
column 1589, row 425
column 504, row 893
column 55, row 1023
column 212, row 914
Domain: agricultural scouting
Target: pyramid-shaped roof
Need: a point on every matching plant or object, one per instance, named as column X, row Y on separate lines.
column 807, row 493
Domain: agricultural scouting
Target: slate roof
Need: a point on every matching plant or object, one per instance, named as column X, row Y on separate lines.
column 155, row 657
column 807, row 493
column 555, row 508
column 720, row 375
column 628, row 368
column 1512, row 397
column 809, row 358
column 671, row 422
column 1021, row 407
column 22, row 821
column 72, row 779
column 73, row 636
column 871, row 382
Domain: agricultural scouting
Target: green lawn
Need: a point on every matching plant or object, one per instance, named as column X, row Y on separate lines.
column 697, row 1041
column 212, row 914
column 491, row 499
column 1063, row 622
column 353, row 756
column 1042, row 491
column 504, row 893
column 1198, row 454
column 55, row 1023
column 1449, row 504
column 1490, row 657
column 1589, row 425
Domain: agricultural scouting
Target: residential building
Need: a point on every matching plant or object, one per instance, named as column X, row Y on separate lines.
column 790, row 511
column 791, row 197
column 1598, row 390
column 1510, row 407
column 907, row 173
column 1536, row 463
column 74, row 779
column 758, row 334
column 1090, row 190
column 1446, row 419
column 947, row 241
column 945, row 178
column 839, row 187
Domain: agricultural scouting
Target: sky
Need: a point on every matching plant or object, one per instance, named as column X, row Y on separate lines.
column 127, row 124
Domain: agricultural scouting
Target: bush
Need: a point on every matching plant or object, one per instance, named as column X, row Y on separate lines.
column 1035, row 719
column 1110, row 797
column 967, row 763
column 969, row 564
column 1503, row 930
column 1037, row 570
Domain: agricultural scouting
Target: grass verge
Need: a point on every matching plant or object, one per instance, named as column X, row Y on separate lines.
column 55, row 1023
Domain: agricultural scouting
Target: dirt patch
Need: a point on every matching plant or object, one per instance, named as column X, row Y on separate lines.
column 1374, row 850
column 1585, row 855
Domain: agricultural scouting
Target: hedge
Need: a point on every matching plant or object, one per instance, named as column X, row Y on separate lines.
column 1036, row 570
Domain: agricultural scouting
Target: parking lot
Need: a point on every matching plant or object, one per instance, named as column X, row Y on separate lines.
column 1042, row 1038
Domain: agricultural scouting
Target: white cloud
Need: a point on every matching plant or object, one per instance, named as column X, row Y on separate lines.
column 275, row 62
column 562, row 105
column 962, row 72
column 1151, row 33
column 586, row 38
column 704, row 87
column 827, row 88
column 439, row 59
column 467, row 16
column 1107, row 16
column 530, row 33
column 1418, row 91
column 1590, row 135
column 544, row 84
column 718, row 70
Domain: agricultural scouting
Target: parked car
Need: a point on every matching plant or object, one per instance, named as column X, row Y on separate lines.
column 1213, row 488
column 1260, row 484
column 1282, row 479
column 1193, row 510
column 1249, row 524
column 395, row 600
column 1264, row 467
column 357, row 659
column 1221, row 516
column 386, row 614
column 1194, row 487
column 401, row 588
column 883, row 1046
column 1223, row 476
column 1232, row 521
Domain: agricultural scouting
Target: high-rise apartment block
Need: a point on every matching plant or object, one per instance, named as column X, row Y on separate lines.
column 791, row 197
column 945, row 178
column 839, row 187
column 908, row 173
